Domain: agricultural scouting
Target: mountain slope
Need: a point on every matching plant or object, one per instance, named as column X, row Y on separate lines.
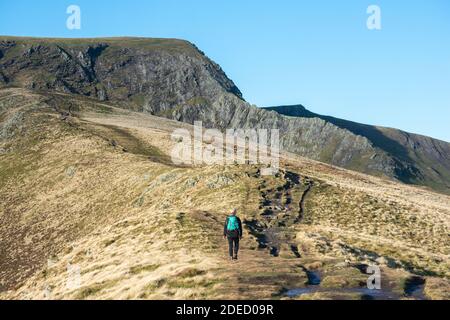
column 173, row 79
column 430, row 157
column 87, row 187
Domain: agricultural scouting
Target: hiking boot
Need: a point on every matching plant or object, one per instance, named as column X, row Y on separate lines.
column 235, row 257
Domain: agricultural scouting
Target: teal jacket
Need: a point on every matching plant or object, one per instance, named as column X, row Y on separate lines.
column 225, row 231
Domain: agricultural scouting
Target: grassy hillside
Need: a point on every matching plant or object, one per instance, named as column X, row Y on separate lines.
column 86, row 185
column 175, row 45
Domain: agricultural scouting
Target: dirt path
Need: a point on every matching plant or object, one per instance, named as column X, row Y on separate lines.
column 281, row 208
column 274, row 264
column 302, row 200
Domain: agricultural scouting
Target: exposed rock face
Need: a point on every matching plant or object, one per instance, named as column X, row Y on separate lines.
column 413, row 158
column 173, row 79
column 149, row 74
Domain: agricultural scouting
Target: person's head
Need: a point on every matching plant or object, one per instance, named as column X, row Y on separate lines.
column 234, row 212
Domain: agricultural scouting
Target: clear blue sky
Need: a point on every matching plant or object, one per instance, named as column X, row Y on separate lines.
column 317, row 53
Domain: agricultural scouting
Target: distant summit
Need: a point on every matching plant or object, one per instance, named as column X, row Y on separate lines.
column 296, row 110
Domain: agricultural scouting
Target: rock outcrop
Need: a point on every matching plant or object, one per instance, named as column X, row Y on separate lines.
column 173, row 79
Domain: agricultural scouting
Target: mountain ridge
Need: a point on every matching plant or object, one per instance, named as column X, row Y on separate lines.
column 299, row 110
column 381, row 136
column 172, row 78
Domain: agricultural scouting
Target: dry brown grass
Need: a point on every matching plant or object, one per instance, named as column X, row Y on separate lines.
column 138, row 227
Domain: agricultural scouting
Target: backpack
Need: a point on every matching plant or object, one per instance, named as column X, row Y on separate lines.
column 233, row 224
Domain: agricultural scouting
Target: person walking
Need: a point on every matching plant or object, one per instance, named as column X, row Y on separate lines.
column 232, row 230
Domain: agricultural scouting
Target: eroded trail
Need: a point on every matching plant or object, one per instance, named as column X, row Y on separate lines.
column 281, row 266
column 303, row 198
column 282, row 207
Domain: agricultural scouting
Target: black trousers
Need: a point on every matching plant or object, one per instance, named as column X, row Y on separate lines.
column 233, row 245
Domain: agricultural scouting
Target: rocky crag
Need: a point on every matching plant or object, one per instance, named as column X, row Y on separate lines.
column 174, row 79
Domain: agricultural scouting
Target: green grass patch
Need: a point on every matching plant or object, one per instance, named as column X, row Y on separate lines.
column 144, row 268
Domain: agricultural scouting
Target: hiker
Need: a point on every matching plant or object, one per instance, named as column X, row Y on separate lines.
column 233, row 231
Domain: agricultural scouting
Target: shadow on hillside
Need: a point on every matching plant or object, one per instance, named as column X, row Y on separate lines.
column 378, row 139
column 124, row 138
